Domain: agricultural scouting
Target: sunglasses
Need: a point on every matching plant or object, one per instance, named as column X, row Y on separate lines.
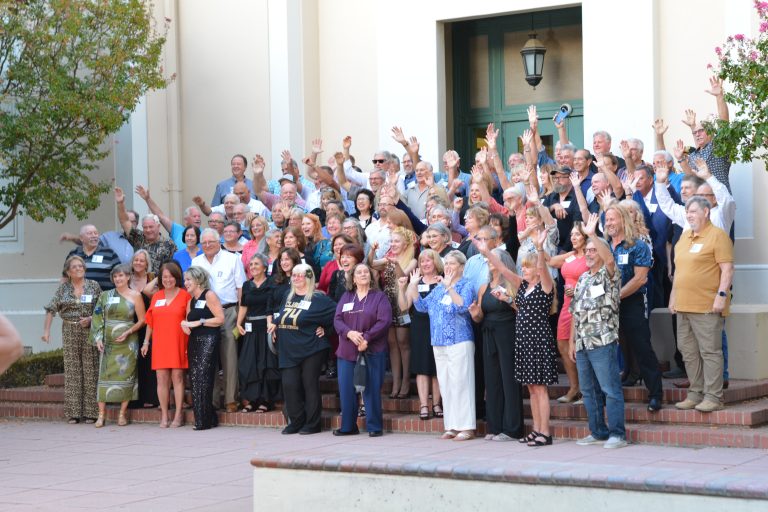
column 378, row 160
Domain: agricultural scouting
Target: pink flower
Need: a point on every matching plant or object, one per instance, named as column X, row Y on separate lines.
column 739, row 37
column 709, row 66
column 718, row 50
column 764, row 26
column 753, row 55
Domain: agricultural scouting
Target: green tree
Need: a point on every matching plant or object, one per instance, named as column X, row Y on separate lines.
column 71, row 72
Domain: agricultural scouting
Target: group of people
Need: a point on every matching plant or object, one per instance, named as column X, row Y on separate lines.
column 474, row 282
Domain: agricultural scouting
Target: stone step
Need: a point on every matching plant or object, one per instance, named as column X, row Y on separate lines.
column 642, row 433
column 55, row 380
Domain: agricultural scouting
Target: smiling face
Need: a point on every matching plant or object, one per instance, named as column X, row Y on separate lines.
column 169, row 282
column 289, row 240
column 140, row 263
column 211, row 245
column 76, row 270
column 189, row 284
column 350, row 229
column 577, row 239
column 333, row 225
column 696, row 217
column 257, row 268
column 229, row 206
column 529, row 273
column 601, row 145
column 237, row 165
column 613, row 223
column 307, row 227
column 120, row 280
column 231, row 234
column 274, row 242
column 363, row 202
column 592, row 258
column 362, row 276
column 151, row 230
column 295, row 221
column 451, row 264
column 397, row 244
column 190, row 239
column 426, row 265
column 337, row 246
column 700, row 136
column 257, row 229
column 474, row 193
column 347, row 261
column 286, row 263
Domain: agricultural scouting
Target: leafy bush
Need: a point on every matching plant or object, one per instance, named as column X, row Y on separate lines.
column 31, row 370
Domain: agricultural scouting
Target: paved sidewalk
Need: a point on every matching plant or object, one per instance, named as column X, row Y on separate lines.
column 53, row 466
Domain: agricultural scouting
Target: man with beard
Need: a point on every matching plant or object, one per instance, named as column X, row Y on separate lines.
column 563, row 205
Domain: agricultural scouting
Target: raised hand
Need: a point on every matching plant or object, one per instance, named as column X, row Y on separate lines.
column 662, row 173
column 660, row 127
column 702, row 169
column 346, row 143
column 715, row 86
column 477, row 174
column 475, row 309
column 339, row 158
column 397, row 135
column 524, row 175
column 458, row 203
column 451, row 159
column 591, row 224
column 575, row 179
column 415, row 276
column 317, row 146
column 605, row 198
column 482, row 246
column 450, row 274
column 482, row 155
column 531, row 193
column 690, row 118
column 308, row 161
column 258, row 164
column 558, row 125
column 119, row 195
column 402, row 282
column 142, row 192
column 491, row 135
column 332, row 160
column 286, row 154
column 527, row 137
column 413, row 145
column 392, row 178
column 533, row 118
column 625, row 150
column 679, row 149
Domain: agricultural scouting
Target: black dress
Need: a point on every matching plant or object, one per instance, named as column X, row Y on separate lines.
column 504, row 394
column 535, row 350
column 257, row 365
column 203, row 353
column 422, row 355
column 145, row 375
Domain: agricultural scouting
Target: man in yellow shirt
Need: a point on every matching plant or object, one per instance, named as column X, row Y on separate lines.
column 700, row 297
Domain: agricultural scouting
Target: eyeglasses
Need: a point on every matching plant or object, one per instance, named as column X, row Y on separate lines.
column 378, row 161
column 590, row 251
column 208, row 242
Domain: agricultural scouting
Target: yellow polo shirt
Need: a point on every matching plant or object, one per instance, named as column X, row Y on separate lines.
column 697, row 269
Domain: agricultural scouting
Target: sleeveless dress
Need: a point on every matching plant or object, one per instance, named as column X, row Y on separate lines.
column 535, row 350
column 112, row 316
column 422, row 355
column 203, row 353
column 145, row 375
column 257, row 365
column 389, row 287
column 571, row 271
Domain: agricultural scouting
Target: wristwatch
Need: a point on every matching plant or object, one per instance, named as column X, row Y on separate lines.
column 721, row 293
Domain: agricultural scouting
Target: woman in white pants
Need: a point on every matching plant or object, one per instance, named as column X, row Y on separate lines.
column 453, row 344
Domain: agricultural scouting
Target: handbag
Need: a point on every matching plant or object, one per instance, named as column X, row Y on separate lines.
column 360, row 375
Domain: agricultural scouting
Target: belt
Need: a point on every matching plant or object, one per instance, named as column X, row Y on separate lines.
column 227, row 306
column 254, row 318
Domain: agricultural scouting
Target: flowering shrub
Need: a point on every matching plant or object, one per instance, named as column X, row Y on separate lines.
column 743, row 62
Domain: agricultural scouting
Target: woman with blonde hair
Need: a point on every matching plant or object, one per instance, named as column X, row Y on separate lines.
column 257, row 229
column 396, row 263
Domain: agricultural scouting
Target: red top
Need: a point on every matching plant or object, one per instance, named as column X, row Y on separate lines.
column 327, row 273
column 169, row 343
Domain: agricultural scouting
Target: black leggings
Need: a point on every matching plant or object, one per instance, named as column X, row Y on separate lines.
column 301, row 390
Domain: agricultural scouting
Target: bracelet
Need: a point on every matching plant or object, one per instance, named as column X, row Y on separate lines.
column 681, row 160
column 146, row 343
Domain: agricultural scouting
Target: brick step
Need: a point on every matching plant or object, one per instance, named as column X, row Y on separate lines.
column 648, row 433
column 746, row 414
column 38, row 394
column 55, row 380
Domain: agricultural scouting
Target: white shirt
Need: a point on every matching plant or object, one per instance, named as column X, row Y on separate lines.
column 721, row 215
column 378, row 232
column 254, row 206
column 226, row 272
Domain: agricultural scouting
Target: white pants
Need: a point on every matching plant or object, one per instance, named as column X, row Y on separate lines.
column 456, row 376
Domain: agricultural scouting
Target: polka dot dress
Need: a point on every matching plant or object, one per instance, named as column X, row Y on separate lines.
column 535, row 350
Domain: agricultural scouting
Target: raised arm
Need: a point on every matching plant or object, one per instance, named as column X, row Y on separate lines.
column 200, row 203
column 716, row 90
column 154, row 208
column 561, row 132
column 259, row 182
column 627, row 154
column 605, row 253
column 122, row 214
column 681, row 158
column 580, row 199
column 541, row 264
column 491, row 135
column 660, row 128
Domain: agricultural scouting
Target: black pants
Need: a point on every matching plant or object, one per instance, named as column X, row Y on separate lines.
column 203, row 353
column 635, row 331
column 504, row 395
column 301, row 389
column 479, row 370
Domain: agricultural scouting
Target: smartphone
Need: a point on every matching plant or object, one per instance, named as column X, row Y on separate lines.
column 565, row 111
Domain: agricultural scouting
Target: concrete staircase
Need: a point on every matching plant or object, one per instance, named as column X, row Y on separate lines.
column 743, row 423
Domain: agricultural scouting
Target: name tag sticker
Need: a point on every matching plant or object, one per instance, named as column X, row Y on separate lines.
column 596, row 291
column 570, row 258
column 565, row 204
column 200, row 304
column 405, row 319
column 86, row 299
column 423, row 288
column 347, row 307
column 160, row 303
column 248, row 327
column 220, row 274
column 696, row 248
column 653, row 207
column 304, row 305
column 303, row 261
column 97, row 258
column 412, row 184
column 623, row 259
column 447, row 301
column 275, row 316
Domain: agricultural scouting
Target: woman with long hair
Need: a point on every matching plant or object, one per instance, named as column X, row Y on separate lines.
column 257, row 228
column 293, row 238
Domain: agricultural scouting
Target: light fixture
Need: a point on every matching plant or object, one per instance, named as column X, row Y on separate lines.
column 533, row 59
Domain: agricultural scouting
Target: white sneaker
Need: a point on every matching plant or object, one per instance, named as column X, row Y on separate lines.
column 615, row 442
column 502, row 437
column 590, row 439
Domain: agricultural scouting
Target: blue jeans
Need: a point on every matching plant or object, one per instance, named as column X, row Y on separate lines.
column 600, row 385
column 374, row 420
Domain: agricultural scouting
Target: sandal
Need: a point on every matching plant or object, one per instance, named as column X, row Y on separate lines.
column 89, row 421
column 530, row 437
column 424, row 412
column 448, row 434
column 122, row 420
column 361, row 411
column 568, row 398
column 99, row 421
column 73, row 421
column 540, row 440
column 261, row 409
column 248, row 408
column 177, row 424
column 464, row 436
column 437, row 410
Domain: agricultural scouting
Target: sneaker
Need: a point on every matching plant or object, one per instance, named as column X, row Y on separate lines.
column 615, row 442
column 501, row 437
column 687, row 404
column 590, row 439
column 709, row 406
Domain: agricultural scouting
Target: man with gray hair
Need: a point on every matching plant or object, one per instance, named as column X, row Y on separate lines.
column 227, row 278
column 416, row 196
column 160, row 249
column 700, row 298
column 99, row 259
column 192, row 217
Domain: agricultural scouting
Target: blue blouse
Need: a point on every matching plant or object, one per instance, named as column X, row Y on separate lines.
column 182, row 258
column 449, row 324
column 627, row 258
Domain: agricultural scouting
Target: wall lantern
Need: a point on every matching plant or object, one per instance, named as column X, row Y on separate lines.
column 533, row 59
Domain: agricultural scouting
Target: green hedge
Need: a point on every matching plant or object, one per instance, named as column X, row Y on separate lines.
column 31, row 370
